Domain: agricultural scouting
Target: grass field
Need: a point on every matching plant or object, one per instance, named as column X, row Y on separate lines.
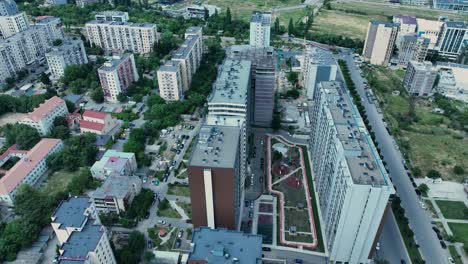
column 452, row 209
column 454, row 254
column 186, row 207
column 460, row 232
column 243, row 9
column 179, row 190
column 428, row 142
column 58, row 181
column 296, row 15
column 169, row 212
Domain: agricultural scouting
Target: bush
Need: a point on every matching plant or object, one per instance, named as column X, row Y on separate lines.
column 433, row 174
column 459, row 170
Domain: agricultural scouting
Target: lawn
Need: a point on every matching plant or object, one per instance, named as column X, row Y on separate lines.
column 460, row 232
column 454, row 254
column 453, row 209
column 186, row 207
column 430, row 208
column 58, row 181
column 178, row 190
column 169, row 212
column 292, row 196
column 296, row 15
column 300, row 219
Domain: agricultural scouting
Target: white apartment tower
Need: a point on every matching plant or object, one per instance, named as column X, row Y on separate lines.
column 12, row 21
column 352, row 184
column 122, row 36
column 260, row 24
column 70, row 52
column 116, row 75
column 419, row 78
column 53, row 26
column 170, row 81
column 380, row 39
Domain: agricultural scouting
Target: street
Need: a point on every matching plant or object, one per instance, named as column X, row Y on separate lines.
column 419, row 219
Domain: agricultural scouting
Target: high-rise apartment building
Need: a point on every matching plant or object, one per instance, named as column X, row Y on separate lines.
column 8, row 8
column 419, row 78
column 70, row 52
column 197, row 32
column 450, row 40
column 12, row 24
column 260, row 24
column 379, row 43
column 411, row 48
column 318, row 66
column 116, row 75
column 122, row 36
column 53, row 26
column 351, row 181
column 406, row 25
column 115, row 16
column 263, row 80
column 170, row 81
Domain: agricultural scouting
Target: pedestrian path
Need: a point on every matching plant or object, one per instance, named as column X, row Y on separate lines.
column 179, row 209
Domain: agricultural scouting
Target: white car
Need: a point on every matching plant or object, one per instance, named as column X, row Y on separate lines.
column 161, row 222
column 451, row 260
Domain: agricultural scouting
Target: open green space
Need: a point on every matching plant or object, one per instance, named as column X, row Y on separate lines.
column 299, row 238
column 428, row 140
column 169, row 212
column 453, row 209
column 460, row 233
column 292, row 196
column 453, row 252
column 58, row 181
column 296, row 15
column 186, row 207
column 430, row 208
column 178, row 190
column 297, row 218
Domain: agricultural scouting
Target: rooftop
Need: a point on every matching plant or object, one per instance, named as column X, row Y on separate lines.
column 79, row 244
column 71, row 212
column 170, row 66
column 259, row 56
column 125, row 24
column 231, row 85
column 65, row 47
column 385, row 23
column 94, row 114
column 27, row 163
column 217, row 146
column 113, row 159
column 456, row 24
column 116, row 186
column 91, row 125
column 406, row 19
column 45, row 108
column 222, row 246
column 115, row 61
column 319, row 56
column 423, row 66
column 185, row 48
column 261, row 17
column 361, row 155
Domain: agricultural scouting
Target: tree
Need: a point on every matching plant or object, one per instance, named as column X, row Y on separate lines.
column 207, row 14
column 459, row 170
column 24, row 136
column 122, row 97
column 148, row 256
column 276, row 26
column 130, row 253
column 290, row 27
column 57, row 42
column 433, row 174
column 276, row 122
column 228, row 19
column 97, row 95
column 423, row 188
column 62, row 132
column 44, row 78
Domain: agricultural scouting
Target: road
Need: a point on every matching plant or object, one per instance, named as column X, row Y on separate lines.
column 419, row 219
column 392, row 247
column 290, row 256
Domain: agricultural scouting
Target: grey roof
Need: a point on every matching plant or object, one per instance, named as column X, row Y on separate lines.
column 407, row 19
column 71, row 212
column 217, row 147
column 80, row 243
column 222, row 246
column 65, row 47
column 193, row 30
column 361, row 155
column 114, row 62
column 48, row 19
column 185, row 48
column 261, row 17
column 320, row 56
column 455, row 24
column 231, row 85
column 74, row 98
column 116, row 186
column 114, row 23
column 170, row 66
column 385, row 23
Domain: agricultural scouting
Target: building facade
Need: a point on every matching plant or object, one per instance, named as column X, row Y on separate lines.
column 115, row 16
column 351, row 181
column 116, row 194
column 451, row 5
column 406, row 25
column 8, row 8
column 380, row 41
column 53, row 26
column 411, row 48
column 318, row 66
column 170, row 81
column 429, row 29
column 419, row 78
column 260, row 24
column 114, row 163
column 450, row 40
column 70, row 52
column 12, row 24
column 122, row 36
column 116, row 75
column 28, row 170
column 42, row 118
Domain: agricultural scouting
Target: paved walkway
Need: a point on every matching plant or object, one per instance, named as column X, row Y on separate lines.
column 286, row 176
column 440, row 217
column 179, row 209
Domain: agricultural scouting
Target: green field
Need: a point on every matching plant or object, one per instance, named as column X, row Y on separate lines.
column 296, row 15
column 58, row 181
column 186, row 207
column 460, row 232
column 179, row 190
column 453, row 210
column 169, row 212
column 454, row 254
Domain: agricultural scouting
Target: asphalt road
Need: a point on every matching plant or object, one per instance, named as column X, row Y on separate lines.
column 419, row 219
column 291, row 256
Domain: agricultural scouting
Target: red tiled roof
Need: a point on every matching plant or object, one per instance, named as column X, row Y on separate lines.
column 24, row 166
column 45, row 108
column 94, row 114
column 91, row 125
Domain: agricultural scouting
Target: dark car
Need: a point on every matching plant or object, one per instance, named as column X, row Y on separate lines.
column 299, row 261
column 266, row 249
column 443, row 245
column 177, row 243
column 436, row 229
column 188, row 221
column 150, row 244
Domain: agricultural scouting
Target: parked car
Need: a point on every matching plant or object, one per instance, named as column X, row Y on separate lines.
column 436, row 229
column 266, row 249
column 161, row 222
column 188, row 221
column 180, row 234
column 298, row 260
column 443, row 245
column 177, row 243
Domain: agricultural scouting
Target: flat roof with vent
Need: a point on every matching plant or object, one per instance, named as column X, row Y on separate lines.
column 361, row 155
column 224, row 246
column 217, row 146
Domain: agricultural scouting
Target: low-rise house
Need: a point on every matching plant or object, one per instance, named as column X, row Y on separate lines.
column 116, row 193
column 99, row 123
column 28, row 170
column 42, row 118
column 114, row 163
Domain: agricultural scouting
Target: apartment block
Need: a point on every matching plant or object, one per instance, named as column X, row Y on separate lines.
column 214, row 177
column 263, row 80
column 419, row 78
column 351, row 181
column 28, row 170
column 411, row 48
column 450, row 40
column 56, row 2
column 70, row 52
column 406, row 25
column 116, row 75
column 53, row 25
column 198, row 11
column 198, row 33
column 429, row 29
column 224, row 246
column 8, row 8
column 318, row 66
column 170, row 81
column 42, row 118
column 82, row 238
column 122, row 36
column 114, row 163
column 260, row 24
column 380, row 39
column 12, row 24
column 116, row 194
column 83, row 3
column 451, row 5
column 99, row 123
column 115, row 16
